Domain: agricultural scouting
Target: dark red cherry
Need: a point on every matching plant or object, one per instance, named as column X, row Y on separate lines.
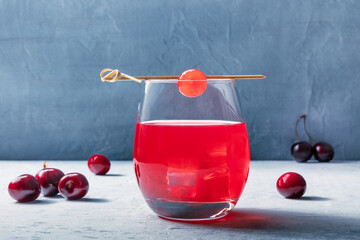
column 49, row 179
column 73, row 186
column 291, row 185
column 301, row 151
column 24, row 188
column 192, row 83
column 99, row 164
column 323, row 152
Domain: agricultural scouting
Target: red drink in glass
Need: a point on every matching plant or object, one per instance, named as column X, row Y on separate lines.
column 187, row 165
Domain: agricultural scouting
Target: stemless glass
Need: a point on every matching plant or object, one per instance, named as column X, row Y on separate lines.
column 191, row 154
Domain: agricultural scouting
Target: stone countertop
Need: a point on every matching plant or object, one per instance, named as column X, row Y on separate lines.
column 114, row 207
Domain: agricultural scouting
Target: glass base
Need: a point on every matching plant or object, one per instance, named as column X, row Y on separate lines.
column 190, row 211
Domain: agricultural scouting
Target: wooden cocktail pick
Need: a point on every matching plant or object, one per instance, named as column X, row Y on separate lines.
column 115, row 76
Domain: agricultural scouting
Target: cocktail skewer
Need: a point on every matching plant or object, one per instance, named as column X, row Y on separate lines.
column 115, row 75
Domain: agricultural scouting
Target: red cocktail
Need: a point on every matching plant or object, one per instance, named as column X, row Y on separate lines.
column 191, row 169
column 191, row 150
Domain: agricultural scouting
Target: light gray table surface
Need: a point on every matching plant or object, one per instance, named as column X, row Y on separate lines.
column 114, row 207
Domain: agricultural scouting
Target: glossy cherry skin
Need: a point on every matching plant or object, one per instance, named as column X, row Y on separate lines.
column 301, row 151
column 192, row 83
column 73, row 186
column 49, row 179
column 323, row 152
column 99, row 164
column 291, row 185
column 24, row 188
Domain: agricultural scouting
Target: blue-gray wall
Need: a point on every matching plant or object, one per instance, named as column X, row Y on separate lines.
column 53, row 105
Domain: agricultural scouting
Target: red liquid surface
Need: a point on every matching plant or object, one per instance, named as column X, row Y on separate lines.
column 191, row 161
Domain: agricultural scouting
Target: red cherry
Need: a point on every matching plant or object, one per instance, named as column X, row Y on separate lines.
column 291, row 185
column 99, row 164
column 189, row 84
column 323, row 152
column 49, row 179
column 301, row 151
column 24, row 188
column 73, row 186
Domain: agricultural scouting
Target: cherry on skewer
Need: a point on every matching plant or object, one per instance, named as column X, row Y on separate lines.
column 192, row 83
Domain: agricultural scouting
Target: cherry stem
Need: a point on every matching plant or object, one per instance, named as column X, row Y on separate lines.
column 296, row 132
column 70, row 187
column 307, row 133
column 45, row 164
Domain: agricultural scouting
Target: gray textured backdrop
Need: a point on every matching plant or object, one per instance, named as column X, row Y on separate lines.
column 53, row 105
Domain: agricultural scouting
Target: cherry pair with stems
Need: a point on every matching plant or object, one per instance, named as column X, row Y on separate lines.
column 302, row 151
